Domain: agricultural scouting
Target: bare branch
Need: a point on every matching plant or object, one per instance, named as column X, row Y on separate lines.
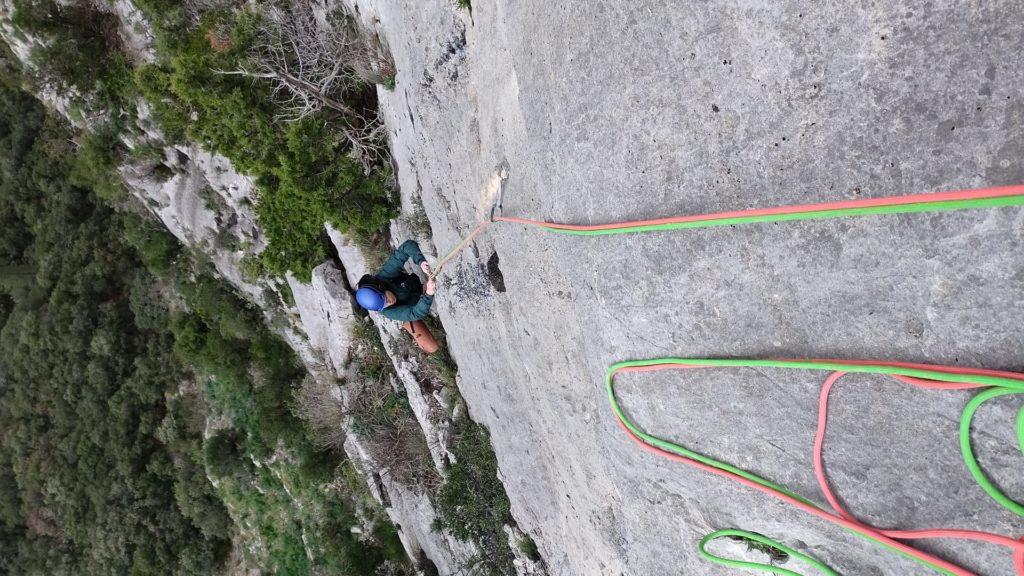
column 312, row 66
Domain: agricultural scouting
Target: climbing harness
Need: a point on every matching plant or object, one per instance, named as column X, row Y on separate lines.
column 995, row 383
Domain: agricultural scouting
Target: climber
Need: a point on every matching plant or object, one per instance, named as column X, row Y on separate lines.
column 401, row 296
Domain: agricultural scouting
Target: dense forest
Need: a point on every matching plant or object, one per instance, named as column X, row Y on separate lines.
column 119, row 354
column 147, row 413
column 87, row 381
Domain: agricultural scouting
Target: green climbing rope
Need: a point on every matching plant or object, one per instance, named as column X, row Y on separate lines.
column 702, row 548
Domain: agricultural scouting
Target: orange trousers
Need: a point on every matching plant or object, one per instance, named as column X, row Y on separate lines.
column 421, row 334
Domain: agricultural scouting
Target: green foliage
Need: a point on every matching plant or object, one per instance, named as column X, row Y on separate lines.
column 154, row 82
column 105, row 481
column 222, row 454
column 292, row 513
column 107, row 327
column 196, row 344
column 472, row 504
column 6, row 307
column 386, row 534
column 319, row 466
column 464, row 4
column 197, row 501
column 157, row 248
column 440, row 365
column 220, row 309
column 99, row 154
column 529, row 548
column 287, row 296
column 80, row 53
column 303, row 169
column 254, row 378
column 252, row 268
column 14, row 280
column 374, row 361
column 289, row 555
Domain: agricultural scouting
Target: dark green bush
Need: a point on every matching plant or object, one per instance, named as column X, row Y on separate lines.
column 108, row 488
column 386, row 534
column 472, row 504
column 275, row 358
column 196, row 344
column 157, row 248
column 220, row 309
column 222, row 454
column 107, row 389
column 289, row 555
column 347, row 554
column 100, row 152
column 318, row 466
column 303, row 170
column 198, row 502
column 81, row 51
column 529, row 547
column 472, row 500
column 6, row 307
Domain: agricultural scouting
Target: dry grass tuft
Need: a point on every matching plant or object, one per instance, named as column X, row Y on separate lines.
column 319, row 405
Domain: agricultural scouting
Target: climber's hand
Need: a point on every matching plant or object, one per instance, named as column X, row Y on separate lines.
column 425, row 267
column 431, row 287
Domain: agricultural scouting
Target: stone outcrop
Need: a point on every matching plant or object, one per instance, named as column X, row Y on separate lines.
column 209, row 206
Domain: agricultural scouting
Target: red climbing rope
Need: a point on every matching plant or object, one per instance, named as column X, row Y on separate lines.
column 914, row 374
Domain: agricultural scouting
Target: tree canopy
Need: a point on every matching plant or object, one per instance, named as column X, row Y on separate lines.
column 97, row 473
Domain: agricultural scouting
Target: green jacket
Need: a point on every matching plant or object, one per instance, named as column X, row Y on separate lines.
column 412, row 304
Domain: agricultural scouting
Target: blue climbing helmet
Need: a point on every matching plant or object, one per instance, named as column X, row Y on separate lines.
column 370, row 294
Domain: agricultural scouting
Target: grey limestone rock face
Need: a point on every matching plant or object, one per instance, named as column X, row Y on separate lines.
column 619, row 111
column 327, row 314
column 412, row 512
column 135, row 30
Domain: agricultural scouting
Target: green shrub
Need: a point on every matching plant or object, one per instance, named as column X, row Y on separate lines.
column 94, row 167
column 81, row 51
column 345, row 553
column 318, row 466
column 220, row 309
column 196, row 500
column 529, row 548
column 222, row 454
column 148, row 303
column 157, row 248
column 154, row 83
column 303, row 170
column 276, row 358
column 104, row 463
column 289, row 555
column 287, row 296
column 386, row 535
column 472, row 504
column 6, row 307
column 252, row 268
column 98, row 402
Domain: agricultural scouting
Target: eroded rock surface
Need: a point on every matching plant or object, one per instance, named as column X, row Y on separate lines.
column 610, row 111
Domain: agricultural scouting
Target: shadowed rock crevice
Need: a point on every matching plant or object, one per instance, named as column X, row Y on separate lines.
column 494, row 274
